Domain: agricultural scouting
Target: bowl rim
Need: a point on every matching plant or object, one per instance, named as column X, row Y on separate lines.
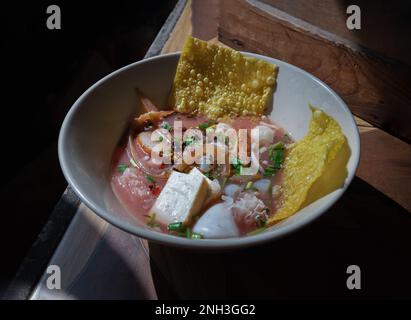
column 166, row 239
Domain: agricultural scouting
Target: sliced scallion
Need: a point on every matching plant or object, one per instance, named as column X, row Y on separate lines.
column 166, row 126
column 151, row 179
column 249, row 185
column 195, row 235
column 203, row 126
column 236, row 165
column 152, row 221
column 122, row 167
column 175, row 226
column 276, row 154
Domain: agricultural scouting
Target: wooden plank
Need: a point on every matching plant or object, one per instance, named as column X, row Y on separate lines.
column 178, row 34
column 386, row 164
column 94, row 256
column 384, row 28
column 204, row 18
column 36, row 259
column 198, row 19
column 362, row 123
column 376, row 90
column 165, row 31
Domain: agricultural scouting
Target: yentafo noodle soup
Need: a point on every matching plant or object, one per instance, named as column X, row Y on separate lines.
column 215, row 166
column 237, row 203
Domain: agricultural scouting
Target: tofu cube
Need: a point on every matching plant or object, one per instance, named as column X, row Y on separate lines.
column 181, row 198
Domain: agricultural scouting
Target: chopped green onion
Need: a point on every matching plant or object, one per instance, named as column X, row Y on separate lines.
column 278, row 159
column 196, row 236
column 203, row 126
column 261, row 221
column 189, row 141
column 276, row 154
column 211, row 175
column 122, row 167
column 150, row 179
column 273, row 148
column 152, row 221
column 175, row 226
column 278, row 145
column 248, row 185
column 236, row 165
column 166, row 126
column 210, row 129
column 160, row 138
column 183, row 232
column 269, row 171
column 236, row 161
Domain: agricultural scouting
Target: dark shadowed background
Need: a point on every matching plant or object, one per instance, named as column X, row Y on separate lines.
column 43, row 72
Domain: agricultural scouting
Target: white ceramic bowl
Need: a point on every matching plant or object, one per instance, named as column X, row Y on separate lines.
column 96, row 121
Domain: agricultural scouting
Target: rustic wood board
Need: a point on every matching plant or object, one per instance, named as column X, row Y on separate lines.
column 99, row 261
column 384, row 28
column 374, row 88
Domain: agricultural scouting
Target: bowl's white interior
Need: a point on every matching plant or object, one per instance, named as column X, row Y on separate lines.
column 95, row 123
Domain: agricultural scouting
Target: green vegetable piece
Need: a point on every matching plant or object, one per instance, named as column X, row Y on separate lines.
column 175, row 226
column 151, row 179
column 196, row 236
column 122, row 167
column 248, row 185
column 236, row 166
column 152, row 221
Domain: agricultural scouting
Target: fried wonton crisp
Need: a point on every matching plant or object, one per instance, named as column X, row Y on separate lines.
column 308, row 160
column 220, row 82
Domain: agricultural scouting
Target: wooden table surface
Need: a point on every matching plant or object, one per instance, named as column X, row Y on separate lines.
column 370, row 226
